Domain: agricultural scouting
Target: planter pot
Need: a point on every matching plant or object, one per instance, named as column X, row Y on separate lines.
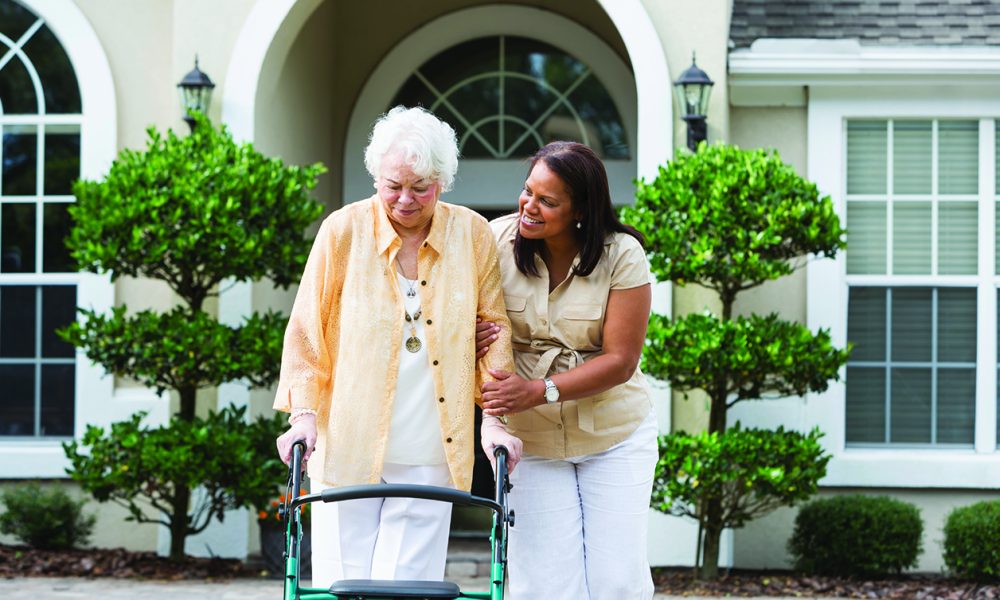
column 272, row 549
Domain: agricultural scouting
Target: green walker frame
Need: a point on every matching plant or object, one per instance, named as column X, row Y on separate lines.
column 368, row 589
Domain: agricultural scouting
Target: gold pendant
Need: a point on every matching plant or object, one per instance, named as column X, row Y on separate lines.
column 413, row 343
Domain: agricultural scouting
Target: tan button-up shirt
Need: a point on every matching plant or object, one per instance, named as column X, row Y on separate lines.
column 554, row 332
column 341, row 349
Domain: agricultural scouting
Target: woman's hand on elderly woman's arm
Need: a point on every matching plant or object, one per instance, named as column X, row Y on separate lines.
column 624, row 334
column 302, row 429
column 486, row 334
column 510, row 393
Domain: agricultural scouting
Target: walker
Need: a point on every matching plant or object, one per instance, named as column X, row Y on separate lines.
column 368, row 589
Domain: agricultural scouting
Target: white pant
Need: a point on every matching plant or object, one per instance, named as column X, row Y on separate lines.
column 580, row 523
column 383, row 538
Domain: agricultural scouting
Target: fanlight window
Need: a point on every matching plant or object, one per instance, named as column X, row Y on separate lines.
column 507, row 96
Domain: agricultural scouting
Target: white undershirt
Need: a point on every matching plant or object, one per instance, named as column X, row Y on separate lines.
column 415, row 433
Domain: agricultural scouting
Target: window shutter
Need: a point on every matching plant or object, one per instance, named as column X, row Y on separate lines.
column 865, row 405
column 866, row 157
column 956, row 406
column 866, row 238
column 958, row 238
column 910, row 421
column 866, row 322
column 911, row 157
column 958, row 157
column 911, row 238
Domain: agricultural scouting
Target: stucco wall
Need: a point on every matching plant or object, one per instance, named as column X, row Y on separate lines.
column 703, row 28
column 783, row 129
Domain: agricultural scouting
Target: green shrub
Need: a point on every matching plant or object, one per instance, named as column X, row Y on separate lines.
column 856, row 535
column 972, row 541
column 48, row 519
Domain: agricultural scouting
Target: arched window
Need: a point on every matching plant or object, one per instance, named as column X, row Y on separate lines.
column 509, row 79
column 507, row 96
column 40, row 124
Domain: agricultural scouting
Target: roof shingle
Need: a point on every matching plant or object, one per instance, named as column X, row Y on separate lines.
column 872, row 22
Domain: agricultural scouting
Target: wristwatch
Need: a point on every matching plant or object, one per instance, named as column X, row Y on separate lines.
column 551, row 391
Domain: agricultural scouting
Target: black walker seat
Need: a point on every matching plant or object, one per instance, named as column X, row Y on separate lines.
column 376, row 588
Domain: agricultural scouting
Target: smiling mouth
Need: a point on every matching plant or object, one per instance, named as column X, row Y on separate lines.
column 529, row 221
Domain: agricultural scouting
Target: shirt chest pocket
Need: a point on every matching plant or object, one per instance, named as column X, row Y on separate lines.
column 581, row 324
column 518, row 314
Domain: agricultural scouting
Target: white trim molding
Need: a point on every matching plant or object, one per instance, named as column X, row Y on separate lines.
column 774, row 72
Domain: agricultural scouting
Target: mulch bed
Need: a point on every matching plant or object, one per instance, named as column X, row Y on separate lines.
column 22, row 561
column 739, row 583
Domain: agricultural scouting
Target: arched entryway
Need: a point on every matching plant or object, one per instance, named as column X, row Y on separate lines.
column 310, row 76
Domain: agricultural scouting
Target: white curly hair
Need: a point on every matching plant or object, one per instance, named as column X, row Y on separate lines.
column 428, row 144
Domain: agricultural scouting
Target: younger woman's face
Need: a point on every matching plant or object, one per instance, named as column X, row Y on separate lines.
column 545, row 207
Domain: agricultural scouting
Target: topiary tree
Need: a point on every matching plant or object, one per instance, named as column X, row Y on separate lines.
column 192, row 212
column 730, row 220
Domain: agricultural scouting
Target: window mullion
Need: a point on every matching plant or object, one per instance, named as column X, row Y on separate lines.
column 39, row 205
column 889, row 205
column 986, row 333
column 888, row 365
column 934, row 365
column 935, row 203
column 38, row 361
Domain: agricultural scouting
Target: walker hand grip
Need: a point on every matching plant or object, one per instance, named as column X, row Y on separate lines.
column 502, row 479
column 404, row 490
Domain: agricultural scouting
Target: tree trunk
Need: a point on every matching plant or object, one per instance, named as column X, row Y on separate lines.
column 188, row 394
column 710, row 548
column 179, row 521
column 716, row 424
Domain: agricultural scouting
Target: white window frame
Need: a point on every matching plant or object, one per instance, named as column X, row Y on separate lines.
column 829, row 109
column 96, row 402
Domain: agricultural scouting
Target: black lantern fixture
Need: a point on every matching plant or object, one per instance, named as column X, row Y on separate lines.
column 196, row 93
column 693, row 89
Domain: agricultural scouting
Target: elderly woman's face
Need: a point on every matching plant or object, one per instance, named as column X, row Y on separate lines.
column 407, row 198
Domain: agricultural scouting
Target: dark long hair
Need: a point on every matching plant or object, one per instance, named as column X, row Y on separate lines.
column 584, row 176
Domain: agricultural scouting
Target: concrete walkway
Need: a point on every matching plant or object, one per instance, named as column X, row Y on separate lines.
column 43, row 588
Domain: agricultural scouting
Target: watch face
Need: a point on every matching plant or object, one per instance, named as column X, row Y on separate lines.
column 551, row 392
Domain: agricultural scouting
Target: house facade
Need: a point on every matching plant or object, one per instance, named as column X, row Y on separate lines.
column 892, row 108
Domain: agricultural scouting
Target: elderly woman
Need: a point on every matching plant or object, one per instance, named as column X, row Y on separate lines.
column 577, row 287
column 379, row 370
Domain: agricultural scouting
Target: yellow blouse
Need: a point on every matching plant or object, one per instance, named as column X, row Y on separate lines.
column 554, row 332
column 341, row 349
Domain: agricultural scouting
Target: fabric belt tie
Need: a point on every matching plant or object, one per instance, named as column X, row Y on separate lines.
column 549, row 354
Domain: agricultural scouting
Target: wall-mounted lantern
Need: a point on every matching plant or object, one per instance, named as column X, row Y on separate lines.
column 196, row 93
column 693, row 89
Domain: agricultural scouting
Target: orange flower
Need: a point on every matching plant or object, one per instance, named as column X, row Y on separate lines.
column 270, row 512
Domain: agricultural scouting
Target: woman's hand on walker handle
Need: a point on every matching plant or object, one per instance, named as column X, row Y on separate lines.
column 303, row 429
column 493, row 434
column 511, row 394
column 486, row 334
